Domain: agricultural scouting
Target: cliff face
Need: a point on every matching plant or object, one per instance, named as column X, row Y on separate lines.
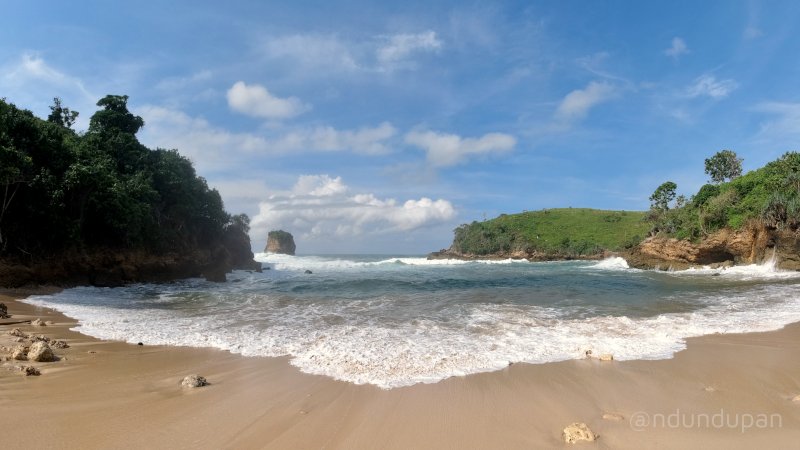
column 280, row 241
column 725, row 247
column 117, row 267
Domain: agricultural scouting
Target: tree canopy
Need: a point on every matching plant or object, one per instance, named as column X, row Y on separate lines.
column 62, row 190
column 724, row 165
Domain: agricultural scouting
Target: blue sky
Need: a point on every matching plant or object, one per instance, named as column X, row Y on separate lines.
column 378, row 128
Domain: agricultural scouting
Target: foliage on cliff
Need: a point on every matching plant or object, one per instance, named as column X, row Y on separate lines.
column 566, row 232
column 768, row 196
column 67, row 191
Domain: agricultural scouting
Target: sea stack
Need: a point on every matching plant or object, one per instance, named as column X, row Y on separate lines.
column 279, row 241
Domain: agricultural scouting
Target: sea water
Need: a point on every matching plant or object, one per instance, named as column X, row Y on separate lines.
column 397, row 321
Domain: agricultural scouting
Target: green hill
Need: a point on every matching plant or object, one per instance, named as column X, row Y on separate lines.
column 563, row 231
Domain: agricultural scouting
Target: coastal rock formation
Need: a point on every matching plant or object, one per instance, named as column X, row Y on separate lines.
column 194, row 381
column 279, row 241
column 726, row 247
column 41, row 352
column 578, row 432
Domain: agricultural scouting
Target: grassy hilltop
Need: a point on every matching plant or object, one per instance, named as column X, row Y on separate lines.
column 561, row 231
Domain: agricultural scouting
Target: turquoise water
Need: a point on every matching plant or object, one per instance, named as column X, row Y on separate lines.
column 396, row 321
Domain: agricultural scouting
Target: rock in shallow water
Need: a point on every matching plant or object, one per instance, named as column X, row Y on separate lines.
column 41, row 352
column 194, row 381
column 578, row 432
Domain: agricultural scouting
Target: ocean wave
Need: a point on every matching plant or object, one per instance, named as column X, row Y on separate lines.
column 364, row 341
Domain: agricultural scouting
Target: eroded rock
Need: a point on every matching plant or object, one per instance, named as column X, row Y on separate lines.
column 578, row 432
column 59, row 344
column 38, row 323
column 194, row 381
column 4, row 311
column 29, row 371
column 41, row 352
column 20, row 353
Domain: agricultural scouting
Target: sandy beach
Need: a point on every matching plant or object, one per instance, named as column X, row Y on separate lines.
column 723, row 391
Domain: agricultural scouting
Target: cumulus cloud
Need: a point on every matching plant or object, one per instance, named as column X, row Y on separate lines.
column 400, row 46
column 444, row 149
column 256, row 101
column 212, row 147
column 677, row 48
column 576, row 104
column 709, row 86
column 320, row 207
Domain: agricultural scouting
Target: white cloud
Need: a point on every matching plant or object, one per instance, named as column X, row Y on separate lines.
column 576, row 104
column 709, row 86
column 321, row 207
column 400, row 46
column 677, row 49
column 211, row 147
column 256, row 101
column 449, row 149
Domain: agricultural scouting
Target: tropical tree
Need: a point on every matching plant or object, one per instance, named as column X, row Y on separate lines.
column 663, row 195
column 724, row 165
column 61, row 115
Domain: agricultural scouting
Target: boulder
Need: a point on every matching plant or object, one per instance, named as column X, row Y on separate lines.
column 20, row 353
column 4, row 311
column 308, row 272
column 194, row 381
column 41, row 352
column 279, row 241
column 578, row 432
column 38, row 323
column 17, row 332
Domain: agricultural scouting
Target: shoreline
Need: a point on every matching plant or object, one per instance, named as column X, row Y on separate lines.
column 106, row 399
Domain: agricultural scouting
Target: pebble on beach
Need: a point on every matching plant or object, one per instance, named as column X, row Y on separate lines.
column 194, row 381
column 613, row 416
column 606, row 357
column 578, row 432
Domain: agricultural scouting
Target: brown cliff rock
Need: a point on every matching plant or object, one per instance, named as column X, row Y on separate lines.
column 279, row 241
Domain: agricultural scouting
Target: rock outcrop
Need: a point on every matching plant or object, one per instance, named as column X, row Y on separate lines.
column 279, row 241
column 578, row 432
column 41, row 352
column 194, row 381
column 725, row 247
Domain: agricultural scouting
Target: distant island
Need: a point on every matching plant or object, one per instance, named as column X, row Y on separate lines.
column 734, row 219
column 100, row 208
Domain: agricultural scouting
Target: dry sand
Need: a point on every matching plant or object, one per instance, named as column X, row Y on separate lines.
column 724, row 391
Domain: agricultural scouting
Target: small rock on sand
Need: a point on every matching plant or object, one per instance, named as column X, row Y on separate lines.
column 796, row 398
column 606, row 357
column 41, row 352
column 613, row 416
column 194, row 381
column 29, row 370
column 20, row 353
column 578, row 432
column 4, row 311
column 38, row 323
column 59, row 344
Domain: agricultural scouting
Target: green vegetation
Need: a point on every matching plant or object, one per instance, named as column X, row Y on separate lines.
column 769, row 196
column 566, row 232
column 65, row 191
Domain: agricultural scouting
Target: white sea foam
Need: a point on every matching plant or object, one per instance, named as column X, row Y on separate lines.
column 766, row 270
column 348, row 342
column 613, row 263
column 289, row 262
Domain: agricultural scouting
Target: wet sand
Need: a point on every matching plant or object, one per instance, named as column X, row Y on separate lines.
column 722, row 392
